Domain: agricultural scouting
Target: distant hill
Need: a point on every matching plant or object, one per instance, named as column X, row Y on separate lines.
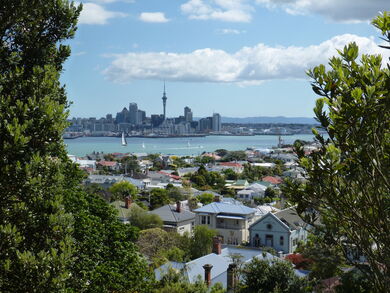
column 278, row 119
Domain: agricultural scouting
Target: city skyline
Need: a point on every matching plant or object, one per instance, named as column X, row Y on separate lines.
column 245, row 58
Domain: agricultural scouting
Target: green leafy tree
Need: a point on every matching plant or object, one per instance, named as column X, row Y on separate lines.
column 120, row 190
column 140, row 218
column 130, row 164
column 160, row 246
column 348, row 177
column 325, row 260
column 206, row 198
column 278, row 276
column 230, row 174
column 158, row 198
column 35, row 232
column 202, row 241
column 107, row 259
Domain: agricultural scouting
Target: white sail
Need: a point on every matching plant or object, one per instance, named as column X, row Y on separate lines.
column 124, row 142
column 143, row 145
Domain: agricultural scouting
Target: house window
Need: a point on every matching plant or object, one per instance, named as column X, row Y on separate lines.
column 281, row 241
column 205, row 220
column 269, row 226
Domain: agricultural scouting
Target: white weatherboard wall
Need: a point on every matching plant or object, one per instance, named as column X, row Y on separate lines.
column 272, row 226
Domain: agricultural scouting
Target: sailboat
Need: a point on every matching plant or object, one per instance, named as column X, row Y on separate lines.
column 143, row 145
column 124, row 142
column 188, row 144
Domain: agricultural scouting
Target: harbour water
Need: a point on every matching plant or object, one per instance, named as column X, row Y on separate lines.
column 176, row 146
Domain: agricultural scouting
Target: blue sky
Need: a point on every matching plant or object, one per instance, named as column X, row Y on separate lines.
column 241, row 58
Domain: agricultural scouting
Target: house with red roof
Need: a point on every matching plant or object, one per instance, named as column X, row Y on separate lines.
column 272, row 179
column 111, row 165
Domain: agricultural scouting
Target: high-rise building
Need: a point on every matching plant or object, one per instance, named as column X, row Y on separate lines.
column 141, row 115
column 205, row 124
column 164, row 98
column 133, row 109
column 187, row 114
column 122, row 117
column 216, row 122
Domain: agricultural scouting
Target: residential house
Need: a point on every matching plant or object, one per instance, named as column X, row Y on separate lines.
column 231, row 220
column 255, row 190
column 239, row 185
column 236, row 167
column 275, row 180
column 281, row 230
column 176, row 218
column 110, row 165
column 216, row 267
column 107, row 180
column 123, row 208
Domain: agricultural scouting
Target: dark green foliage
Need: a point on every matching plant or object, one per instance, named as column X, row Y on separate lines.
column 221, row 152
column 107, row 259
column 263, row 277
column 129, row 164
column 254, row 173
column 174, row 193
column 230, row 174
column 234, row 156
column 325, row 260
column 35, row 232
column 207, row 180
column 354, row 281
column 348, row 178
column 158, row 198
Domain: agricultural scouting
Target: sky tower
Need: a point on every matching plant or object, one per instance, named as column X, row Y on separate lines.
column 164, row 98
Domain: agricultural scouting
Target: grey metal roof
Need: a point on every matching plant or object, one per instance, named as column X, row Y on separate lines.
column 228, row 208
column 168, row 213
column 290, row 217
column 220, row 263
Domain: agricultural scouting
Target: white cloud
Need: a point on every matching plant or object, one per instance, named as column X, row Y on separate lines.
column 224, row 10
column 230, row 31
column 249, row 65
column 96, row 14
column 336, row 10
column 79, row 53
column 158, row 17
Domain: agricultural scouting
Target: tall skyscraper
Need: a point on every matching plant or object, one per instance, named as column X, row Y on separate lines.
column 164, row 98
column 133, row 109
column 187, row 114
column 216, row 122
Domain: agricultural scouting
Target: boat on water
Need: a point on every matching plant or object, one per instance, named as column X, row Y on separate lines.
column 124, row 141
column 143, row 145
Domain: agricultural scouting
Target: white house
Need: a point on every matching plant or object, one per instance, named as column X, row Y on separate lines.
column 231, row 220
column 281, row 231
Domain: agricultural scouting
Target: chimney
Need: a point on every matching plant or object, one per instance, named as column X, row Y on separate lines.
column 231, row 278
column 217, row 198
column 216, row 245
column 127, row 202
column 178, row 206
column 207, row 274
